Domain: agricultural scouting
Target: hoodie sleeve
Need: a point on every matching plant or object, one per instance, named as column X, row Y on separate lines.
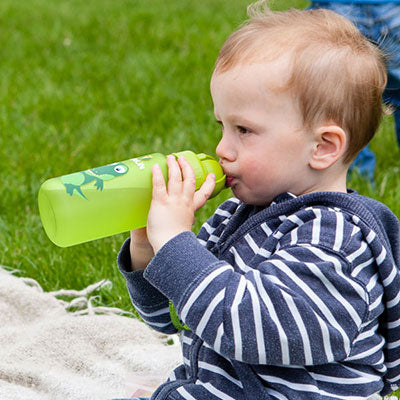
column 148, row 301
column 299, row 305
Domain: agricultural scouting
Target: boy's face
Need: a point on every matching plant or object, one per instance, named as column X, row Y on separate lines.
column 263, row 150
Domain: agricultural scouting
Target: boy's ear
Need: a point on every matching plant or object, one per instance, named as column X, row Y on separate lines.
column 329, row 146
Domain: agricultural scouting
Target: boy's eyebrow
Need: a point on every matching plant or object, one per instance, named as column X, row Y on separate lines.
column 242, row 121
column 231, row 117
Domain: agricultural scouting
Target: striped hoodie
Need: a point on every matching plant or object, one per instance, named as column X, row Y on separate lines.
column 299, row 300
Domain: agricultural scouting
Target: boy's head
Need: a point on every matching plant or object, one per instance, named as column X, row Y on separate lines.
column 333, row 75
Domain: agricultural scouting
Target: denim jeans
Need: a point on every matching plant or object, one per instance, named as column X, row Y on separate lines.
column 381, row 24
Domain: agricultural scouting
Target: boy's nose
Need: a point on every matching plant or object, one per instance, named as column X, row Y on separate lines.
column 225, row 150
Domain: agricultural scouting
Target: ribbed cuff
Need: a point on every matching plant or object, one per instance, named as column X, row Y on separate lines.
column 142, row 293
column 179, row 265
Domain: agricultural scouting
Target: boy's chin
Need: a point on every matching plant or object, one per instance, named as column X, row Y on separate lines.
column 249, row 198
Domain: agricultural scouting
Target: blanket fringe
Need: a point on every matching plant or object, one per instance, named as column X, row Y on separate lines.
column 81, row 302
column 84, row 292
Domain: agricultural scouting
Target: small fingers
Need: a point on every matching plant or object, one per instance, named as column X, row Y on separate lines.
column 205, row 191
column 159, row 188
column 174, row 175
column 189, row 177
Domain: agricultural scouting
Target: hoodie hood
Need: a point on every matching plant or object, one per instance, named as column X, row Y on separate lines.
column 386, row 251
column 386, row 225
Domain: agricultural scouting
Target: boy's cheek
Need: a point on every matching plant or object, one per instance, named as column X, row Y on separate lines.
column 253, row 169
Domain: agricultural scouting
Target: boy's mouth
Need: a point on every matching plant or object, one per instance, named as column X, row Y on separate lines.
column 229, row 181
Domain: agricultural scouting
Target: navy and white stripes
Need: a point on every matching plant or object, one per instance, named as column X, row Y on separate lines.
column 292, row 297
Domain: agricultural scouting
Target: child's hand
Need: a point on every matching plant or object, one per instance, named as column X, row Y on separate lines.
column 140, row 249
column 172, row 209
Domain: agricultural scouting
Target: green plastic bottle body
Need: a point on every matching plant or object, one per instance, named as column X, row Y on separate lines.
column 108, row 200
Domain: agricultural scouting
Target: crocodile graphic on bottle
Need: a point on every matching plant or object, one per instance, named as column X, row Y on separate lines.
column 74, row 182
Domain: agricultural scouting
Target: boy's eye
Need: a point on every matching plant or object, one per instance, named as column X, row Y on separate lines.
column 242, row 130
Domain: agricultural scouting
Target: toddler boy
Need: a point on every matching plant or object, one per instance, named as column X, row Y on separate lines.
column 291, row 289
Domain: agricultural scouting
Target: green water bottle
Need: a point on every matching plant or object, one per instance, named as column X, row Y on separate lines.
column 111, row 199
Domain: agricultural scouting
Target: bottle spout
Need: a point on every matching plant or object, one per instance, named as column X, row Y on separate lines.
column 211, row 165
column 203, row 164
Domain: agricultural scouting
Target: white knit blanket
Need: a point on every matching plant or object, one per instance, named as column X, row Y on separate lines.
column 48, row 353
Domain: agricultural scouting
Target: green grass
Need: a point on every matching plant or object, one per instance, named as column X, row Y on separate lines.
column 87, row 82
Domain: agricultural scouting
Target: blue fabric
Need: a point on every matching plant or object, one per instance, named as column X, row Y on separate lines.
column 360, row 1
column 392, row 92
column 365, row 163
column 286, row 301
column 134, row 398
column 379, row 22
column 397, row 123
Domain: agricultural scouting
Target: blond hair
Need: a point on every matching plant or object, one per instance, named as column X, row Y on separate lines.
column 337, row 74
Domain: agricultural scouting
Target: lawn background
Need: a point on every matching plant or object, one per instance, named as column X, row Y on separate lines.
column 84, row 83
